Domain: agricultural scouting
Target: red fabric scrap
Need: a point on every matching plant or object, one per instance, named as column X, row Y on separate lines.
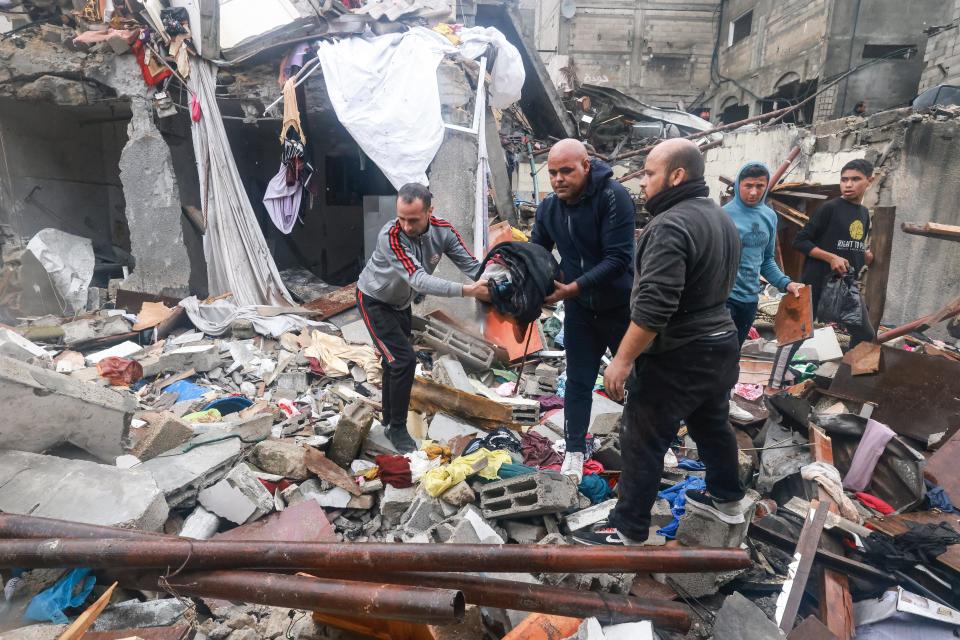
column 395, row 471
column 148, row 76
column 874, row 503
column 590, row 467
column 120, row 372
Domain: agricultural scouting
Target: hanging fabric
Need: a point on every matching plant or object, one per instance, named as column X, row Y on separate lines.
column 291, row 113
column 282, row 200
column 238, row 260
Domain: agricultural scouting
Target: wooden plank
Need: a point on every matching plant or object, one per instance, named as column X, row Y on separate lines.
column 795, row 216
column 794, row 319
column 335, row 302
column 799, row 194
column 916, row 395
column 836, row 603
column 811, row 629
column 863, row 358
column 788, row 604
column 86, row 619
column 932, row 230
column 881, row 244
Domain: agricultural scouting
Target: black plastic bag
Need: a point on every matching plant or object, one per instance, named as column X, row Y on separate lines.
column 842, row 303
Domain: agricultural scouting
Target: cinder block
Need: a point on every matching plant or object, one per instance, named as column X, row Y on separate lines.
column 352, row 429
column 528, row 495
column 699, row 528
column 422, row 514
column 471, row 351
column 164, row 431
column 459, row 494
column 281, row 457
column 609, row 454
column 444, row 428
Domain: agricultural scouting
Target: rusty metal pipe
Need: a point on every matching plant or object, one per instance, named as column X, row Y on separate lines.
column 521, row 596
column 383, row 601
column 196, row 555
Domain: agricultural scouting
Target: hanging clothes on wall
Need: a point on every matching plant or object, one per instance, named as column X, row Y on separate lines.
column 284, row 194
column 282, row 200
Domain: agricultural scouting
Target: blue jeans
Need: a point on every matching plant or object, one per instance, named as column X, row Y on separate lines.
column 586, row 335
column 743, row 314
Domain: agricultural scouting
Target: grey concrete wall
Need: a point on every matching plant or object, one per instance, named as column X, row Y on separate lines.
column 888, row 83
column 941, row 61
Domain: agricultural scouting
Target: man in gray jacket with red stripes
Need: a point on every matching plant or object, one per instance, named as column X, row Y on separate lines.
column 400, row 269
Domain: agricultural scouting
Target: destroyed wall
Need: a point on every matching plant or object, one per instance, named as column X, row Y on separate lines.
column 918, row 172
column 887, row 34
column 942, row 58
column 656, row 53
column 47, row 77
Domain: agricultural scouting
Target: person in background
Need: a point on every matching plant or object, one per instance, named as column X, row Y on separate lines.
column 835, row 238
column 859, row 109
column 407, row 253
column 590, row 219
column 681, row 348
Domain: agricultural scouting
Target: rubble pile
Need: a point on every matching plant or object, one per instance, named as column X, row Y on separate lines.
column 266, row 428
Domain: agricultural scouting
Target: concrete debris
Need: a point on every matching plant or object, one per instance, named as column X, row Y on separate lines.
column 93, row 418
column 80, row 491
column 261, row 414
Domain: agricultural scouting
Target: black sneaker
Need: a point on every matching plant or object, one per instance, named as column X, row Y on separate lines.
column 727, row 512
column 400, row 438
column 604, row 534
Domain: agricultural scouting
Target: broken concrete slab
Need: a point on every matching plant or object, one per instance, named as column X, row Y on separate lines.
column 89, row 328
column 741, row 619
column 529, row 495
column 281, row 457
column 135, row 614
column 80, row 491
column 444, row 428
column 13, row 345
column 164, row 431
column 448, row 371
column 88, row 416
column 352, row 429
column 200, row 525
column 194, row 465
column 240, row 497
column 604, row 416
column 395, row 502
column 590, row 516
column 356, row 333
column 523, row 532
column 199, row 357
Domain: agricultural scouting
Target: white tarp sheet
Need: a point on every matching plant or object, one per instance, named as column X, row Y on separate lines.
column 384, row 91
column 69, row 261
column 238, row 260
column 216, row 317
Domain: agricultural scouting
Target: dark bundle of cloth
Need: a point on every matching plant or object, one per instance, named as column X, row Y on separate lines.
column 531, row 270
column 501, row 438
column 921, row 545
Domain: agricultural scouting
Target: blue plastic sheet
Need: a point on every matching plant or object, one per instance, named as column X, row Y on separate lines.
column 70, row 591
column 691, row 465
column 677, row 497
column 186, row 390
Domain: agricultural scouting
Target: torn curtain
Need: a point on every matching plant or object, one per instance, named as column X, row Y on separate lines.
column 236, row 253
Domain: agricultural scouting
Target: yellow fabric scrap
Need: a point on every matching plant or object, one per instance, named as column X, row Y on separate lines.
column 210, row 415
column 439, row 480
column 518, row 236
column 447, row 32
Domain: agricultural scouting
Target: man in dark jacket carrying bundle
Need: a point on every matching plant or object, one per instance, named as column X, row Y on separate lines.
column 590, row 219
column 681, row 346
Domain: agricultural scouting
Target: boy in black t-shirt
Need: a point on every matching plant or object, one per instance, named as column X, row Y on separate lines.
column 834, row 239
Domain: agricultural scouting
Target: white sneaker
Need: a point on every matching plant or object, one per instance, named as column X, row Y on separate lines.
column 740, row 414
column 573, row 465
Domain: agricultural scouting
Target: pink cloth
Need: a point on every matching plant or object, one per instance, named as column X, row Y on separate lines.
column 749, row 391
column 93, row 37
column 865, row 458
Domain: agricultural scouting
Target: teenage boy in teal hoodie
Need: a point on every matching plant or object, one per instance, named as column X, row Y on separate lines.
column 757, row 224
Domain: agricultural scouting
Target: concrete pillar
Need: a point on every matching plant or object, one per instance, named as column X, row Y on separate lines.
column 453, row 182
column 500, row 179
column 152, row 208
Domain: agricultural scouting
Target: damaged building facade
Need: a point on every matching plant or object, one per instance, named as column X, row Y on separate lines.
column 740, row 58
column 87, row 151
